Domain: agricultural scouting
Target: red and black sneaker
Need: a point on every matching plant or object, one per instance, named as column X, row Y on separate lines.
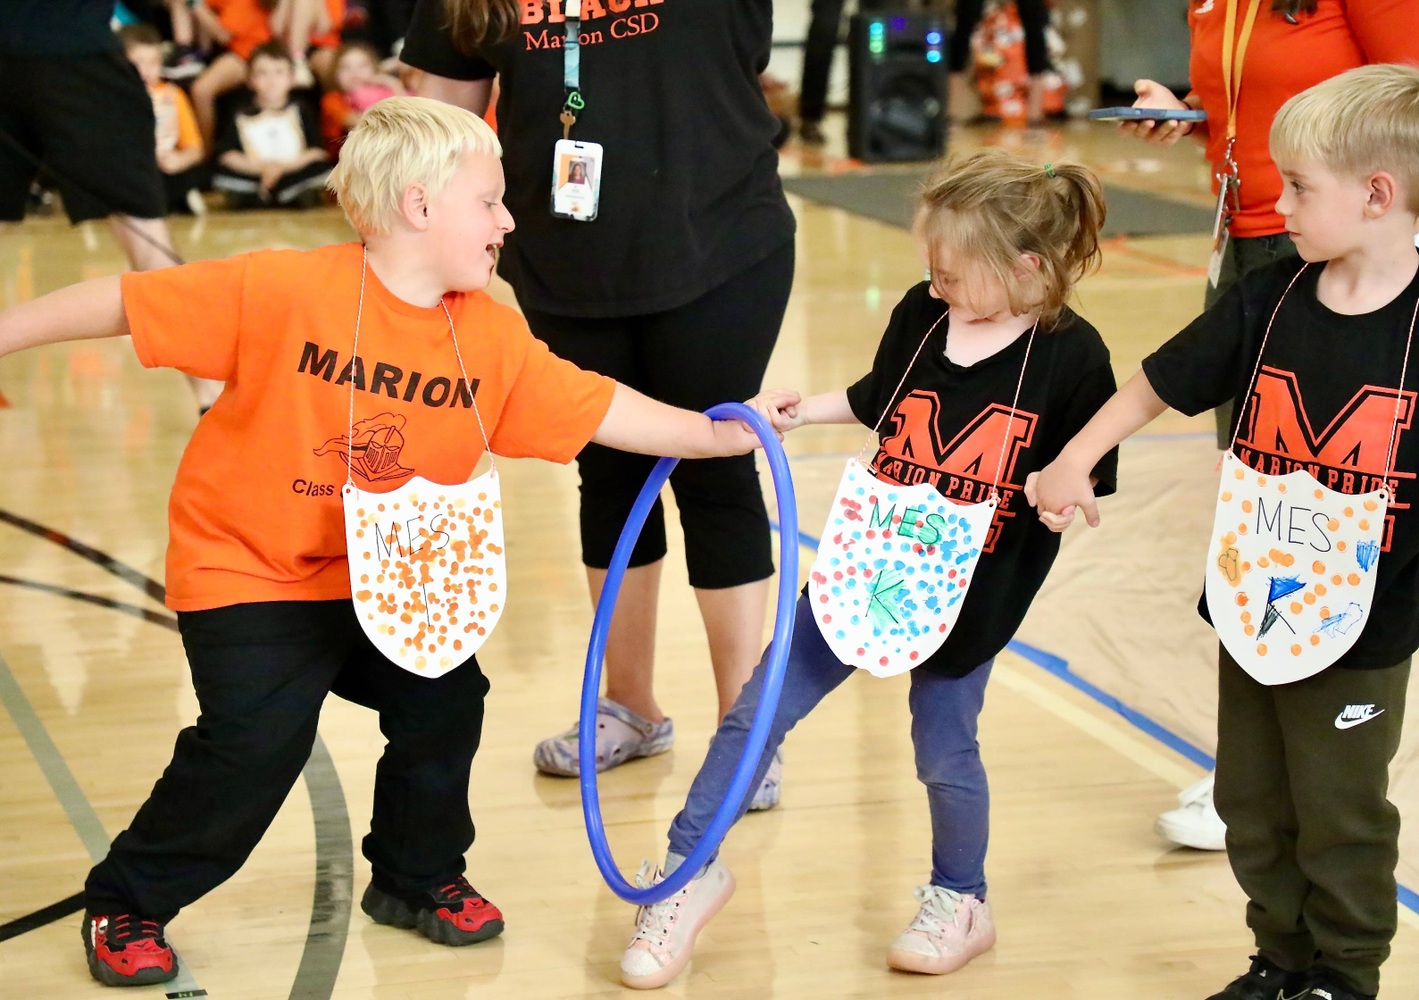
column 452, row 914
column 126, row 950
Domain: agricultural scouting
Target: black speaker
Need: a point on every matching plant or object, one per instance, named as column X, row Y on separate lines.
column 897, row 92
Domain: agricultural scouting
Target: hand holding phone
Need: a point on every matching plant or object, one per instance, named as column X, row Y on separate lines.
column 1157, row 116
column 1134, row 114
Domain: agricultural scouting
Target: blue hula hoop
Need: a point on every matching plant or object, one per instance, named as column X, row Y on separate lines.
column 773, row 678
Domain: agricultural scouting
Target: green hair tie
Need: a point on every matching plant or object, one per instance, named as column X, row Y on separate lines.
column 1049, row 169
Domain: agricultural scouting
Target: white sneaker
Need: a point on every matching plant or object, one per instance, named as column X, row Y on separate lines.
column 770, row 790
column 301, row 76
column 949, row 930
column 1195, row 823
column 665, row 932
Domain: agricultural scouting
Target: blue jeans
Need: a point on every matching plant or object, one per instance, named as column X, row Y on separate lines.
column 944, row 713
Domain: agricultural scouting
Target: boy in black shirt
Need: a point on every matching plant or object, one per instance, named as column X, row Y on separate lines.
column 1316, row 359
column 981, row 377
column 272, row 152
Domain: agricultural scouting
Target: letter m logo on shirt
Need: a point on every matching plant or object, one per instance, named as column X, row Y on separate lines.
column 1357, row 439
column 975, row 453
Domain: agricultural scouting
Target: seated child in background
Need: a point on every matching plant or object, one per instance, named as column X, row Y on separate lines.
column 271, row 153
column 258, row 571
column 359, row 84
column 180, row 150
column 308, row 30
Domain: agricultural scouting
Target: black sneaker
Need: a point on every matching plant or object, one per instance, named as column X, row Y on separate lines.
column 1265, row 980
column 1322, row 984
column 453, row 914
column 127, row 950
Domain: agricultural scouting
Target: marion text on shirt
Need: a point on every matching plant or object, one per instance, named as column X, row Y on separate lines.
column 1292, row 566
column 428, row 571
column 895, row 562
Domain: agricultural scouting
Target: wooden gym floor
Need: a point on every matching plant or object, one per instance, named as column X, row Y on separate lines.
column 1090, row 903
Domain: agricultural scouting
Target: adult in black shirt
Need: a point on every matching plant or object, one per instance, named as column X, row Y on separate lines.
column 677, row 287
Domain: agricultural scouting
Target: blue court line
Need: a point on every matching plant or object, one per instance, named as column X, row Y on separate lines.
column 1059, row 667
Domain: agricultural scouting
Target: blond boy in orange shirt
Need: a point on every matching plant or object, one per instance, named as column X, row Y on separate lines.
column 256, row 565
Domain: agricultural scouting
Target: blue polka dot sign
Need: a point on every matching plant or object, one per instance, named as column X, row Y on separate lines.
column 892, row 570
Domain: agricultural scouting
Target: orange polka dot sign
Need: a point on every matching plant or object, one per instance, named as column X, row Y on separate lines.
column 427, row 569
column 1291, row 570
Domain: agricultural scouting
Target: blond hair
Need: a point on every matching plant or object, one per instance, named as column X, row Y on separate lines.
column 1362, row 121
column 402, row 141
column 989, row 208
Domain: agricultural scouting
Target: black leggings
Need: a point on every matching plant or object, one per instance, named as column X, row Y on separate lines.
column 1034, row 18
column 261, row 673
column 712, row 350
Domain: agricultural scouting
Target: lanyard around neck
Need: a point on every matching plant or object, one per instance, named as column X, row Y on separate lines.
column 1014, row 404
column 1399, row 392
column 1234, row 54
column 571, row 68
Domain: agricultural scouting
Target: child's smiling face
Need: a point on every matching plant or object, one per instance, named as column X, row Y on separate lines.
column 468, row 221
column 355, row 69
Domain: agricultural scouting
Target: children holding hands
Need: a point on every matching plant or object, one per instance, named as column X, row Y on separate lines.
column 367, row 364
column 982, row 375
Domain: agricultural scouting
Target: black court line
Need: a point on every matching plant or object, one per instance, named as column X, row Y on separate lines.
column 42, row 917
column 334, row 851
column 102, row 560
column 156, row 617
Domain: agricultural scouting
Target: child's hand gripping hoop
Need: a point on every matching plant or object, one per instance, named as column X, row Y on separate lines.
column 773, row 679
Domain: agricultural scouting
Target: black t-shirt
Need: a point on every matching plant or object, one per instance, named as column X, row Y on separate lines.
column 690, row 194
column 57, row 27
column 296, row 123
column 948, row 425
column 1324, row 400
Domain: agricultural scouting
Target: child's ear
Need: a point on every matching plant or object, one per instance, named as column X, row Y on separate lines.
column 1382, row 193
column 414, row 207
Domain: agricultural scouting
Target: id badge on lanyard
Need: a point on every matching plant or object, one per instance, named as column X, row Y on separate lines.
column 576, row 166
column 1234, row 52
column 428, row 570
column 1292, row 566
column 1228, row 203
column 895, row 562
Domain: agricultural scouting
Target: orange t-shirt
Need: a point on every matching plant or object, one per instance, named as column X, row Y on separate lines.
column 1282, row 60
column 250, row 24
column 177, row 125
column 256, row 512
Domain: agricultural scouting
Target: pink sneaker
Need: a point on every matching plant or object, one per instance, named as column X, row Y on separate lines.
column 665, row 932
column 949, row 930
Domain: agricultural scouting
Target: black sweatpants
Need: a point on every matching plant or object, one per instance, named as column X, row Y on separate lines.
column 713, row 350
column 1303, row 786
column 261, row 673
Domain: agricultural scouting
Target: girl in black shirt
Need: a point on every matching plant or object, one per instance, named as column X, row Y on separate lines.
column 981, row 377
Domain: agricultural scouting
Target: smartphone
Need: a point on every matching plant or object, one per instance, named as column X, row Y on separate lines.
column 1147, row 114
